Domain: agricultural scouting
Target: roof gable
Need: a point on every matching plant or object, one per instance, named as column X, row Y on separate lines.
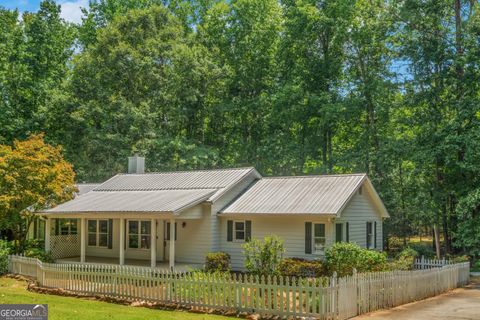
column 321, row 194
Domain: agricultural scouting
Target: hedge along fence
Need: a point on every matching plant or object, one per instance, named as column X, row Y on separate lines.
column 323, row 298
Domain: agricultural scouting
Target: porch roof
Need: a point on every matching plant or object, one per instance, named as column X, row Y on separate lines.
column 166, row 201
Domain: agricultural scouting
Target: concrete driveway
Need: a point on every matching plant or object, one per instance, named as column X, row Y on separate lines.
column 462, row 304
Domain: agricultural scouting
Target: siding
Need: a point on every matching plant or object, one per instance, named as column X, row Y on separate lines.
column 290, row 229
column 357, row 213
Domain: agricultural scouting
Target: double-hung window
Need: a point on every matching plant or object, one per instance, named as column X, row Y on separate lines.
column 139, row 234
column 239, row 231
column 319, row 238
column 67, row 226
column 98, row 233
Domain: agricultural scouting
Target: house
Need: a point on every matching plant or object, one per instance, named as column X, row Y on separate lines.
column 178, row 217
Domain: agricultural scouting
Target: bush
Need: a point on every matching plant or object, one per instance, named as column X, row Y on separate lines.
column 263, row 258
column 40, row 254
column 405, row 260
column 343, row 257
column 423, row 250
column 476, row 266
column 459, row 259
column 297, row 267
column 217, row 262
column 4, row 252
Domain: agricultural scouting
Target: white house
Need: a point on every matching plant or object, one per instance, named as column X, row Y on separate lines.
column 178, row 217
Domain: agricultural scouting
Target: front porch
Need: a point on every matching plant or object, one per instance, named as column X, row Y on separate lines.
column 179, row 267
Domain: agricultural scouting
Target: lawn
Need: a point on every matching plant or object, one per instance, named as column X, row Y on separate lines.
column 14, row 291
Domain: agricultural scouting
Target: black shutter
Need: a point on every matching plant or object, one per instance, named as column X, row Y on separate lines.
column 367, row 238
column 347, row 232
column 375, row 234
column 308, row 237
column 168, row 232
column 110, row 232
column 248, row 230
column 35, row 228
column 230, row 230
column 57, row 227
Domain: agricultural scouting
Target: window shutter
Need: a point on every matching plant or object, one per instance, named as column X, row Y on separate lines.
column 248, row 230
column 230, row 230
column 366, row 236
column 125, row 233
column 375, row 234
column 308, row 237
column 35, row 229
column 347, row 232
column 57, row 227
column 110, row 231
column 168, row 232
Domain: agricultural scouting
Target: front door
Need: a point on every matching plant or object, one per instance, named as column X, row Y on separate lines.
column 166, row 242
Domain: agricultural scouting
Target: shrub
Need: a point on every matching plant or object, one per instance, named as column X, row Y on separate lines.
column 297, row 267
column 423, row 250
column 4, row 252
column 459, row 259
column 217, row 262
column 263, row 258
column 476, row 266
column 343, row 257
column 40, row 254
column 405, row 260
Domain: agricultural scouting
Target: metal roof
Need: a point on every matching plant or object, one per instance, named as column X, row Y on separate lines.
column 324, row 194
column 86, row 187
column 219, row 179
column 170, row 201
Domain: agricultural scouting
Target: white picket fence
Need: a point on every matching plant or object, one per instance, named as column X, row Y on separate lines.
column 322, row 298
column 423, row 263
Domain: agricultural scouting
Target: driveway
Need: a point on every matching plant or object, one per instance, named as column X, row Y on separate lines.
column 462, row 304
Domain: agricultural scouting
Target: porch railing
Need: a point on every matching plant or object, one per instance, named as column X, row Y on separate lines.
column 323, row 298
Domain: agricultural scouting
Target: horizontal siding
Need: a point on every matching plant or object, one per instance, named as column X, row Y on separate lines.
column 290, row 229
column 357, row 213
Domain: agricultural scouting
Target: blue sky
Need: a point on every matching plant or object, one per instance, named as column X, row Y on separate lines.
column 70, row 8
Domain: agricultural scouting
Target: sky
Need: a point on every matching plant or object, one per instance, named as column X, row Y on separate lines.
column 70, row 8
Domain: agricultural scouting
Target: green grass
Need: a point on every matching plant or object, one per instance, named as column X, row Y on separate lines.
column 14, row 291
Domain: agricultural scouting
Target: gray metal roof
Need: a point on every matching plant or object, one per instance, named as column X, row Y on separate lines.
column 220, row 180
column 170, row 201
column 325, row 194
column 86, row 187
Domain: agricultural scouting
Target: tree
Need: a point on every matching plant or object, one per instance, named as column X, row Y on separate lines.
column 33, row 176
column 264, row 257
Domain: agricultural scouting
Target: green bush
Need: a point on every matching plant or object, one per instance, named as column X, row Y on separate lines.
column 40, row 254
column 405, row 260
column 4, row 252
column 343, row 257
column 476, row 266
column 217, row 262
column 459, row 259
column 263, row 258
column 297, row 267
column 423, row 250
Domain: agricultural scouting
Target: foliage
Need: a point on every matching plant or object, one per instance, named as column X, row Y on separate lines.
column 298, row 267
column 4, row 252
column 343, row 257
column 467, row 236
column 476, row 266
column 264, row 257
column 217, row 262
column 33, row 176
column 405, row 260
column 423, row 250
column 40, row 254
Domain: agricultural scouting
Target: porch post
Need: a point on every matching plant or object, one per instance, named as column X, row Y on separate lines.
column 171, row 258
column 82, row 239
column 153, row 243
column 122, row 242
column 47, row 233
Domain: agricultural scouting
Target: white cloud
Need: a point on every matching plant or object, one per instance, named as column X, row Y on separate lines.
column 71, row 10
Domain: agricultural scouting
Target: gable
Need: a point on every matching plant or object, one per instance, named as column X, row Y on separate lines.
column 364, row 201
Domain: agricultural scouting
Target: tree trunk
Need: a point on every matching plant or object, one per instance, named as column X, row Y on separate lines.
column 436, row 233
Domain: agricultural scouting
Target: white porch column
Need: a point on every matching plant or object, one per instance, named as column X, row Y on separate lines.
column 122, row 242
column 171, row 258
column 47, row 233
column 82, row 239
column 153, row 243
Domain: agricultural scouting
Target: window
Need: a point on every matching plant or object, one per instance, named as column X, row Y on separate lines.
column 98, row 233
column 319, row 238
column 139, row 234
column 370, row 244
column 66, row 227
column 339, row 232
column 239, row 231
